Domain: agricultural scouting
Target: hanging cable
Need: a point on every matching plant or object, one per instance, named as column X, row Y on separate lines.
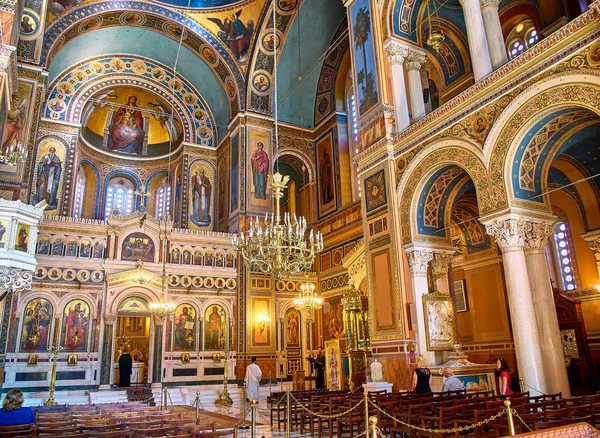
column 275, row 112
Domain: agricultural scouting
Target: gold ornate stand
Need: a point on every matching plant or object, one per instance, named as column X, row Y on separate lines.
column 54, row 350
column 224, row 398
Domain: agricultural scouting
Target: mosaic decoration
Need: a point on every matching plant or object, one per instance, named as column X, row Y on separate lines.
column 148, row 15
column 433, row 199
column 325, row 100
column 72, row 84
column 366, row 82
column 375, row 191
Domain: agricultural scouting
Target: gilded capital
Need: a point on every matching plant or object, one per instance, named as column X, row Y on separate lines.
column 396, row 53
column 415, row 60
column 418, row 261
column 509, row 234
column 110, row 318
column 440, row 264
column 594, row 245
column 489, row 4
column 537, row 236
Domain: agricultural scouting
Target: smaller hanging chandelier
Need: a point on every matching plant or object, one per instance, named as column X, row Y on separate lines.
column 436, row 37
column 279, row 247
column 162, row 308
column 308, row 299
column 14, row 155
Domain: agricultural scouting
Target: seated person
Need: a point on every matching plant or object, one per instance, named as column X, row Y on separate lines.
column 452, row 383
column 12, row 412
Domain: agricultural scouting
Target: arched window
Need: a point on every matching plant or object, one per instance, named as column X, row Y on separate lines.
column 523, row 36
column 119, row 197
column 352, row 134
column 163, row 200
column 564, row 260
column 79, row 193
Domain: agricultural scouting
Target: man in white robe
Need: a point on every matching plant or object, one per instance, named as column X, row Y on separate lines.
column 252, row 379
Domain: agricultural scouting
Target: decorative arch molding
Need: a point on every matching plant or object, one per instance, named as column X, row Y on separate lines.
column 454, row 151
column 147, row 294
column 90, row 300
column 70, row 91
column 579, row 90
column 196, row 37
column 306, row 161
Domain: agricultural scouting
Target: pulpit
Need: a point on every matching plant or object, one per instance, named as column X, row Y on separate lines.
column 299, row 378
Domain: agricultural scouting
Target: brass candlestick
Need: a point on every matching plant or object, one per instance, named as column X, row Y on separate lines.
column 224, row 398
column 54, row 350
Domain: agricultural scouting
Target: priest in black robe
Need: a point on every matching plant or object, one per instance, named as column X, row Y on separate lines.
column 319, row 365
column 125, row 366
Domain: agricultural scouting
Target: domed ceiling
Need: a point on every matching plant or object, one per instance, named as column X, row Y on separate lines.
column 201, row 4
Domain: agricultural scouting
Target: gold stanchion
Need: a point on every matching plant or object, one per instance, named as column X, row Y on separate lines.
column 373, row 426
column 197, row 402
column 164, row 397
column 224, row 398
column 54, row 350
column 366, row 402
column 243, row 424
column 288, row 419
column 509, row 416
column 521, row 385
column 253, row 407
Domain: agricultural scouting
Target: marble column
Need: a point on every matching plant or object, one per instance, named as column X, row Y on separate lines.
column 536, row 239
column 439, row 268
column 396, row 54
column 510, row 237
column 418, row 261
column 493, row 32
column 158, row 355
column 478, row 46
column 414, row 61
column 107, row 353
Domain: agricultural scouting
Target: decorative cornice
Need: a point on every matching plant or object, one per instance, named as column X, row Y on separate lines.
column 418, row 261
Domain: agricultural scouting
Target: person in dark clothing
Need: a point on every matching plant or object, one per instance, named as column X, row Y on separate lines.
column 125, row 366
column 319, row 364
column 13, row 413
column 421, row 376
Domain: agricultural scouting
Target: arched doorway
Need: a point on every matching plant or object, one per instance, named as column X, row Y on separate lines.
column 133, row 330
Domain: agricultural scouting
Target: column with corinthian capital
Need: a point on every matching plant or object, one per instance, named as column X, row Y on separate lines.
column 478, row 46
column 107, row 353
column 396, row 54
column 158, row 351
column 493, row 32
column 593, row 241
column 439, row 267
column 536, row 239
column 510, row 237
column 418, row 259
column 414, row 61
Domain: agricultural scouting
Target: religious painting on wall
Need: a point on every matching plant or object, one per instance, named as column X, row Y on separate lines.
column 235, row 173
column 292, row 325
column 30, row 31
column 3, row 229
column 364, row 56
column 132, row 121
column 43, row 246
column 259, row 142
column 236, row 32
column 439, row 321
column 76, row 326
column 37, row 320
column 333, row 365
column 98, row 251
column 326, row 175
column 48, row 173
column 177, row 203
column 375, row 191
column 261, row 322
column 184, row 328
column 138, row 246
column 215, row 329
column 22, row 240
column 3, row 109
column 202, row 196
column 16, row 126
column 333, row 318
column 223, row 187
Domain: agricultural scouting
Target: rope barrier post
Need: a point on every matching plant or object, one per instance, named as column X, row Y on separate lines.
column 197, row 402
column 366, row 402
column 288, row 419
column 521, row 384
column 509, row 416
column 164, row 403
column 243, row 410
column 373, row 426
column 253, row 407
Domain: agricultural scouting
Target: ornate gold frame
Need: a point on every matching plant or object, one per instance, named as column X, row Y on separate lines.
column 433, row 305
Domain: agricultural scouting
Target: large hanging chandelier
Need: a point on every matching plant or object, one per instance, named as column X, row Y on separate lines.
column 278, row 246
column 13, row 155
column 307, row 298
column 163, row 307
column 436, row 36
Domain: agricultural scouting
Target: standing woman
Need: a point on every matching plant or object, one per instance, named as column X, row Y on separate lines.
column 421, row 376
column 504, row 377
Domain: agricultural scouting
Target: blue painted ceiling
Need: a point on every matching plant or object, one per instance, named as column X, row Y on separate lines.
column 144, row 42
column 318, row 21
column 200, row 4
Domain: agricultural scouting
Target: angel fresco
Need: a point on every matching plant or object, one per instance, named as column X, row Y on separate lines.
column 15, row 122
column 236, row 34
column 165, row 117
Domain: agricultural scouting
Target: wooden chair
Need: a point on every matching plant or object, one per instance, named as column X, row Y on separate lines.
column 192, row 429
column 443, row 420
column 124, row 433
column 153, row 432
column 77, row 434
column 18, row 431
column 217, row 433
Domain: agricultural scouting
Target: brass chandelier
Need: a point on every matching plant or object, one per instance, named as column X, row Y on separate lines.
column 307, row 298
column 436, row 37
column 13, row 155
column 164, row 307
column 278, row 246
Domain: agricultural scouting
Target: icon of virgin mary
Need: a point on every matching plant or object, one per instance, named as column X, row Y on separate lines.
column 127, row 131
